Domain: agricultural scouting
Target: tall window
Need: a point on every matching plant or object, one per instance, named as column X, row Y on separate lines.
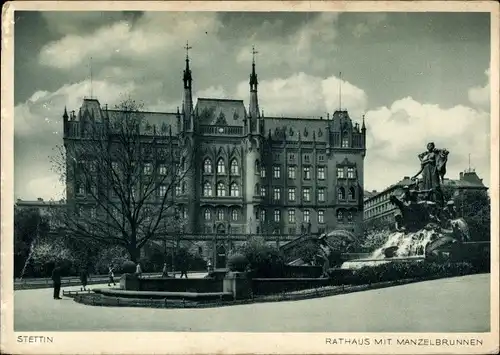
column 306, row 194
column 345, row 140
column 183, row 188
column 350, row 173
column 276, row 172
column 257, row 167
column 262, row 215
column 80, row 189
column 341, row 193
column 277, row 215
column 276, row 194
column 262, row 171
column 148, row 168
column 321, row 216
column 321, row 173
column 349, row 216
column 263, row 191
column 235, row 190
column 352, row 193
column 221, row 168
column 220, row 214
column 321, row 194
column 93, row 212
column 207, row 189
column 307, row 172
column 208, row 214
column 162, row 190
column 291, row 172
column 307, row 158
column 162, row 169
column 235, row 169
column 207, row 166
column 234, row 214
column 306, row 216
column 257, row 191
column 340, row 173
column 291, row 194
column 291, row 216
column 221, row 189
column 340, row 215
column 184, row 212
column 177, row 190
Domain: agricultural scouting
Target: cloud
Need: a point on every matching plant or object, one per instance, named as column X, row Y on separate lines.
column 154, row 34
column 397, row 134
column 302, row 95
column 368, row 23
column 296, row 48
column 480, row 95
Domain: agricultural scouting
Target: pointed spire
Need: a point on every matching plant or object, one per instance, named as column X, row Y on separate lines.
column 363, row 127
column 253, row 75
column 187, row 72
column 65, row 114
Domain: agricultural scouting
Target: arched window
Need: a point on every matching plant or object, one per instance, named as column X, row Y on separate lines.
column 221, row 189
column 207, row 189
column 208, row 214
column 340, row 215
column 221, row 167
column 235, row 169
column 257, row 166
column 234, row 214
column 352, row 193
column 220, row 214
column 349, row 216
column 235, row 190
column 207, row 166
column 257, row 190
column 345, row 140
column 341, row 193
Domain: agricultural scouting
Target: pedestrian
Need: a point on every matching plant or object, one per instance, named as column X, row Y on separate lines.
column 111, row 276
column 209, row 266
column 184, row 267
column 138, row 270
column 84, row 279
column 164, row 272
column 56, row 278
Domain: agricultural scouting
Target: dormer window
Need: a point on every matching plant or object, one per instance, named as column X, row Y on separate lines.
column 345, row 141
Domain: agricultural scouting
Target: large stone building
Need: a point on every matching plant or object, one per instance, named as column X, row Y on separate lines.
column 379, row 211
column 255, row 174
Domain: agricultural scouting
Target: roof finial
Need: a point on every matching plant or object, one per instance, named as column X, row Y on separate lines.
column 187, row 50
column 90, row 67
column 65, row 115
column 363, row 127
column 254, row 52
column 340, row 91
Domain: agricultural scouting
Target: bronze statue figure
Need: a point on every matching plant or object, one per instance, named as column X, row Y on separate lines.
column 433, row 168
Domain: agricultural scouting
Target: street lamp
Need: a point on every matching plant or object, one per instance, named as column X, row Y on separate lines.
column 174, row 242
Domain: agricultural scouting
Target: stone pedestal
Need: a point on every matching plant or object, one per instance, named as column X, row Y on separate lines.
column 129, row 282
column 238, row 284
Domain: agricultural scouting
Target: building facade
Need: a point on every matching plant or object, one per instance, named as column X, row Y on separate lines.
column 380, row 212
column 253, row 174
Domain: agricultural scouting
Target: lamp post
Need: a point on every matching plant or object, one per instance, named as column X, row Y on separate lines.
column 176, row 236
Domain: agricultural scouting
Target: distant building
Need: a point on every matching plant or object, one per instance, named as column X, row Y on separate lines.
column 46, row 208
column 378, row 210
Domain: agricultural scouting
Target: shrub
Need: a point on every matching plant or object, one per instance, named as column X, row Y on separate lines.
column 237, row 262
column 128, row 267
column 263, row 260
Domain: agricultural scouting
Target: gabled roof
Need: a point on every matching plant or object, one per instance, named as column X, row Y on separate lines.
column 293, row 128
column 220, row 112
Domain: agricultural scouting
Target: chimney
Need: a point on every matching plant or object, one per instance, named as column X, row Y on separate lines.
column 40, row 199
column 406, row 178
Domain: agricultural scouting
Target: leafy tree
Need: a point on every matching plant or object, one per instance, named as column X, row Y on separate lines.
column 122, row 177
column 29, row 227
column 475, row 207
column 307, row 251
column 264, row 260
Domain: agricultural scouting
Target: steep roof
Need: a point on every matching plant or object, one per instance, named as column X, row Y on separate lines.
column 220, row 112
column 159, row 122
column 308, row 129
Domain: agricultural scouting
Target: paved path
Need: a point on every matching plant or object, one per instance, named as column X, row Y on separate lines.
column 460, row 304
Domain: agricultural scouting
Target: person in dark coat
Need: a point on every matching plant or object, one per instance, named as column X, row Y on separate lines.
column 184, row 266
column 84, row 279
column 56, row 278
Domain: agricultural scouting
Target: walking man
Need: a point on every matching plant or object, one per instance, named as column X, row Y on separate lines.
column 164, row 272
column 84, row 279
column 56, row 278
column 111, row 276
column 184, row 267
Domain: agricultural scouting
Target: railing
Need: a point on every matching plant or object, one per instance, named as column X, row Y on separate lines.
column 225, row 130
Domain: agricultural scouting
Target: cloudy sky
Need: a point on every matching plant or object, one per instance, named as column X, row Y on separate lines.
column 418, row 77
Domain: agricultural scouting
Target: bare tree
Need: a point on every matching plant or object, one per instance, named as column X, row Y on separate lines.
column 122, row 178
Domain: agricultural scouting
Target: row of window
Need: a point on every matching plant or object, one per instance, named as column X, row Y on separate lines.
column 306, row 193
column 292, row 170
column 261, row 215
